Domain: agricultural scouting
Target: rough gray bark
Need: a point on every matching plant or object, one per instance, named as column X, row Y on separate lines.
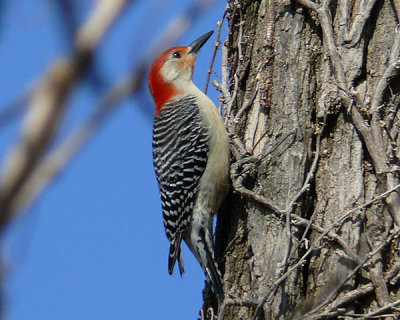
column 311, row 104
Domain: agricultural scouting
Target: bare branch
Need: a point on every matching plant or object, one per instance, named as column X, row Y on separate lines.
column 52, row 164
column 229, row 105
column 396, row 5
column 329, row 43
column 309, row 4
column 224, row 87
column 311, row 172
column 361, row 291
column 48, row 103
column 240, row 37
column 318, row 240
column 23, row 184
column 14, row 109
column 40, row 125
column 380, row 310
column 246, row 104
column 371, row 135
column 343, row 16
column 361, row 17
column 377, row 280
column 100, row 20
column 312, row 314
column 391, row 69
column 232, row 301
column 259, row 199
column 216, row 46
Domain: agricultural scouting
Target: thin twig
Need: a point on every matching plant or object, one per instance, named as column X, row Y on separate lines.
column 309, row 225
column 223, row 87
column 361, row 291
column 311, row 172
column 260, row 199
column 380, row 310
column 231, row 301
column 311, row 315
column 317, row 241
column 299, row 221
column 216, row 46
column 229, row 105
column 240, row 37
column 304, row 188
column 246, row 104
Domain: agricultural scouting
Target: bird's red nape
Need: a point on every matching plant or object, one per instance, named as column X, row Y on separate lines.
column 162, row 91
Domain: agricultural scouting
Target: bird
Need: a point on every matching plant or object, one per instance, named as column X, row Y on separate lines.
column 191, row 157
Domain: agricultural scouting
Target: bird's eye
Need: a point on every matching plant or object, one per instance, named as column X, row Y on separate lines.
column 176, row 54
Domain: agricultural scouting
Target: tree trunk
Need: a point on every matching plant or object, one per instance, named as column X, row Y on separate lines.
column 311, row 228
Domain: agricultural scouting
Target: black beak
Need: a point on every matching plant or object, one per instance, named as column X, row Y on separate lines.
column 197, row 44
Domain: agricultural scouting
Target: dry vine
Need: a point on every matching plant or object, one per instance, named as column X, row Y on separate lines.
column 357, row 103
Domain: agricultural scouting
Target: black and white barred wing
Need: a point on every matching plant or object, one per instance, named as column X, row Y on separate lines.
column 180, row 148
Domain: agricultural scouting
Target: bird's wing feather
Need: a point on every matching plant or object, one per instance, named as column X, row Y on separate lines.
column 180, row 148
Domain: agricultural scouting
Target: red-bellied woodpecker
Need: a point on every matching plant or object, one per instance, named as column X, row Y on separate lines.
column 191, row 158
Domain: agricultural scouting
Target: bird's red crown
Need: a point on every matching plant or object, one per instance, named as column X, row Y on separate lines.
column 161, row 90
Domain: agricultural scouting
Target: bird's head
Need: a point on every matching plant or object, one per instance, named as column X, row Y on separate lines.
column 171, row 73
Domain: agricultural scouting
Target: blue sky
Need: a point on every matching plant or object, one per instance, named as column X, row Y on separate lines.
column 93, row 246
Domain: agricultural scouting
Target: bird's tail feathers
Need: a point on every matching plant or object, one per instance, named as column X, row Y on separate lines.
column 213, row 275
column 175, row 253
column 210, row 267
